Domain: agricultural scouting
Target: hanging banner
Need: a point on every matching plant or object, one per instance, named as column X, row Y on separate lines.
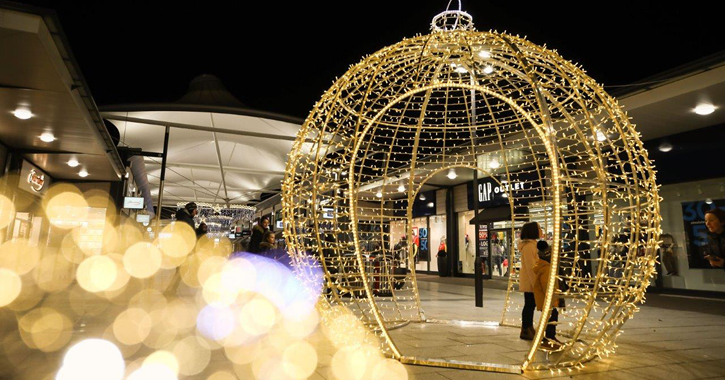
column 693, row 216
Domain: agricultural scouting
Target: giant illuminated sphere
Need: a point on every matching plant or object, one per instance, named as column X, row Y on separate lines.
column 517, row 112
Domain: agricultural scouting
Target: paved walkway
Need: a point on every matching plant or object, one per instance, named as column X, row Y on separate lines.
column 672, row 337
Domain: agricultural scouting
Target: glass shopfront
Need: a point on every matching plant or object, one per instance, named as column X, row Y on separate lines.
column 428, row 237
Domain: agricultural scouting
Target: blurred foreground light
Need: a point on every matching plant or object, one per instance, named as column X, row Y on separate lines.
column 132, row 326
column 152, row 372
column 19, row 256
column 164, row 358
column 10, row 286
column 92, row 359
column 389, row 369
column 222, row 375
column 193, row 354
column 97, row 273
column 142, row 260
column 177, row 240
column 67, row 209
column 215, row 323
column 355, row 363
column 7, row 211
column 299, row 360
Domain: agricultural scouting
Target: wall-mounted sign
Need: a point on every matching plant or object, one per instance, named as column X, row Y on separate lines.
column 133, row 203
column 141, row 218
column 33, row 180
column 526, row 187
column 280, row 224
column 327, row 213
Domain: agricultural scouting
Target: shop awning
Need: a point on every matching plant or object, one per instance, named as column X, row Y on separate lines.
column 495, row 214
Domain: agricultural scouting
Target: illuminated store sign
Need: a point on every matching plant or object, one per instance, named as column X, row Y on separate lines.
column 33, row 180
column 488, row 191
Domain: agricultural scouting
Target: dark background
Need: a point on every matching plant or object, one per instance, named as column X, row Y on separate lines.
column 281, row 56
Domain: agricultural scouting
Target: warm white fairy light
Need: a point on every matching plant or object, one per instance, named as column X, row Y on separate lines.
column 415, row 115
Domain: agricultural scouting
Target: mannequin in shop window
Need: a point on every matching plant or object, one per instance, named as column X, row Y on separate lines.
column 442, row 257
column 668, row 254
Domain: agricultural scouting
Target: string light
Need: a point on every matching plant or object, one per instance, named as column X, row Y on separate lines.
column 409, row 112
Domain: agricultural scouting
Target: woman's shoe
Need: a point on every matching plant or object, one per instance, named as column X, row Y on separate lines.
column 550, row 344
column 527, row 333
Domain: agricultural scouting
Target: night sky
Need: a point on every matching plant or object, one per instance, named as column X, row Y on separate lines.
column 281, row 56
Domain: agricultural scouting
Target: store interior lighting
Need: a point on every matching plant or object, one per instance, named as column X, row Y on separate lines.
column 452, row 174
column 401, row 188
column 47, row 137
column 73, row 163
column 379, row 194
column 665, row 147
column 488, row 69
column 494, row 164
column 484, row 54
column 83, row 173
column 421, row 197
column 23, row 113
column 704, row 109
column 601, row 136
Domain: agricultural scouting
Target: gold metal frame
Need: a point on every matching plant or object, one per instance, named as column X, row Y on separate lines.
column 445, row 100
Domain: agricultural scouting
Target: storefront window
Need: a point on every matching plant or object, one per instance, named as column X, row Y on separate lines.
column 421, row 243
column 437, row 239
column 466, row 242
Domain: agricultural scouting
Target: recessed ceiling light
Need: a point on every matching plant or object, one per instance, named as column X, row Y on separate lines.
column 47, row 137
column 488, row 69
column 704, row 109
column 421, row 197
column 494, row 164
column 601, row 136
column 431, row 204
column 83, row 173
column 708, row 201
column 452, row 174
column 485, row 54
column 23, row 113
column 379, row 194
column 73, row 163
column 401, row 188
column 665, row 147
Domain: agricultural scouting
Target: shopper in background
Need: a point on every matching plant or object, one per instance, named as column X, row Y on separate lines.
column 530, row 233
column 187, row 214
column 715, row 248
column 268, row 242
column 258, row 235
column 542, row 271
column 201, row 230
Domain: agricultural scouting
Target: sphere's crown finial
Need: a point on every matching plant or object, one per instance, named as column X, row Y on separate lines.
column 447, row 21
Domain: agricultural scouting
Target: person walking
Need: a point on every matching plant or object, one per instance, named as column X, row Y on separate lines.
column 530, row 233
column 187, row 214
column 715, row 248
column 258, row 234
column 542, row 271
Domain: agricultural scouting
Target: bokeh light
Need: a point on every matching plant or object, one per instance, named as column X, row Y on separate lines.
column 142, row 260
column 132, row 326
column 65, row 206
column 97, row 273
column 215, row 322
column 92, row 359
column 10, row 286
column 193, row 354
column 177, row 240
column 299, row 360
column 164, row 358
column 7, row 211
column 19, row 255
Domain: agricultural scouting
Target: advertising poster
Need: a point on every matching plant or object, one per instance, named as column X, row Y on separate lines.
column 483, row 240
column 693, row 216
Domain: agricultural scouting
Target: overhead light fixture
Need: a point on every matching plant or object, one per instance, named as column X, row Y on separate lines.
column 23, row 113
column 452, row 174
column 704, row 109
column 484, row 53
column 379, row 194
column 401, row 188
column 708, row 201
column 601, row 136
column 665, row 147
column 431, row 204
column 459, row 68
column 494, row 164
column 422, row 197
column 73, row 163
column 47, row 137
column 488, row 69
column 83, row 173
